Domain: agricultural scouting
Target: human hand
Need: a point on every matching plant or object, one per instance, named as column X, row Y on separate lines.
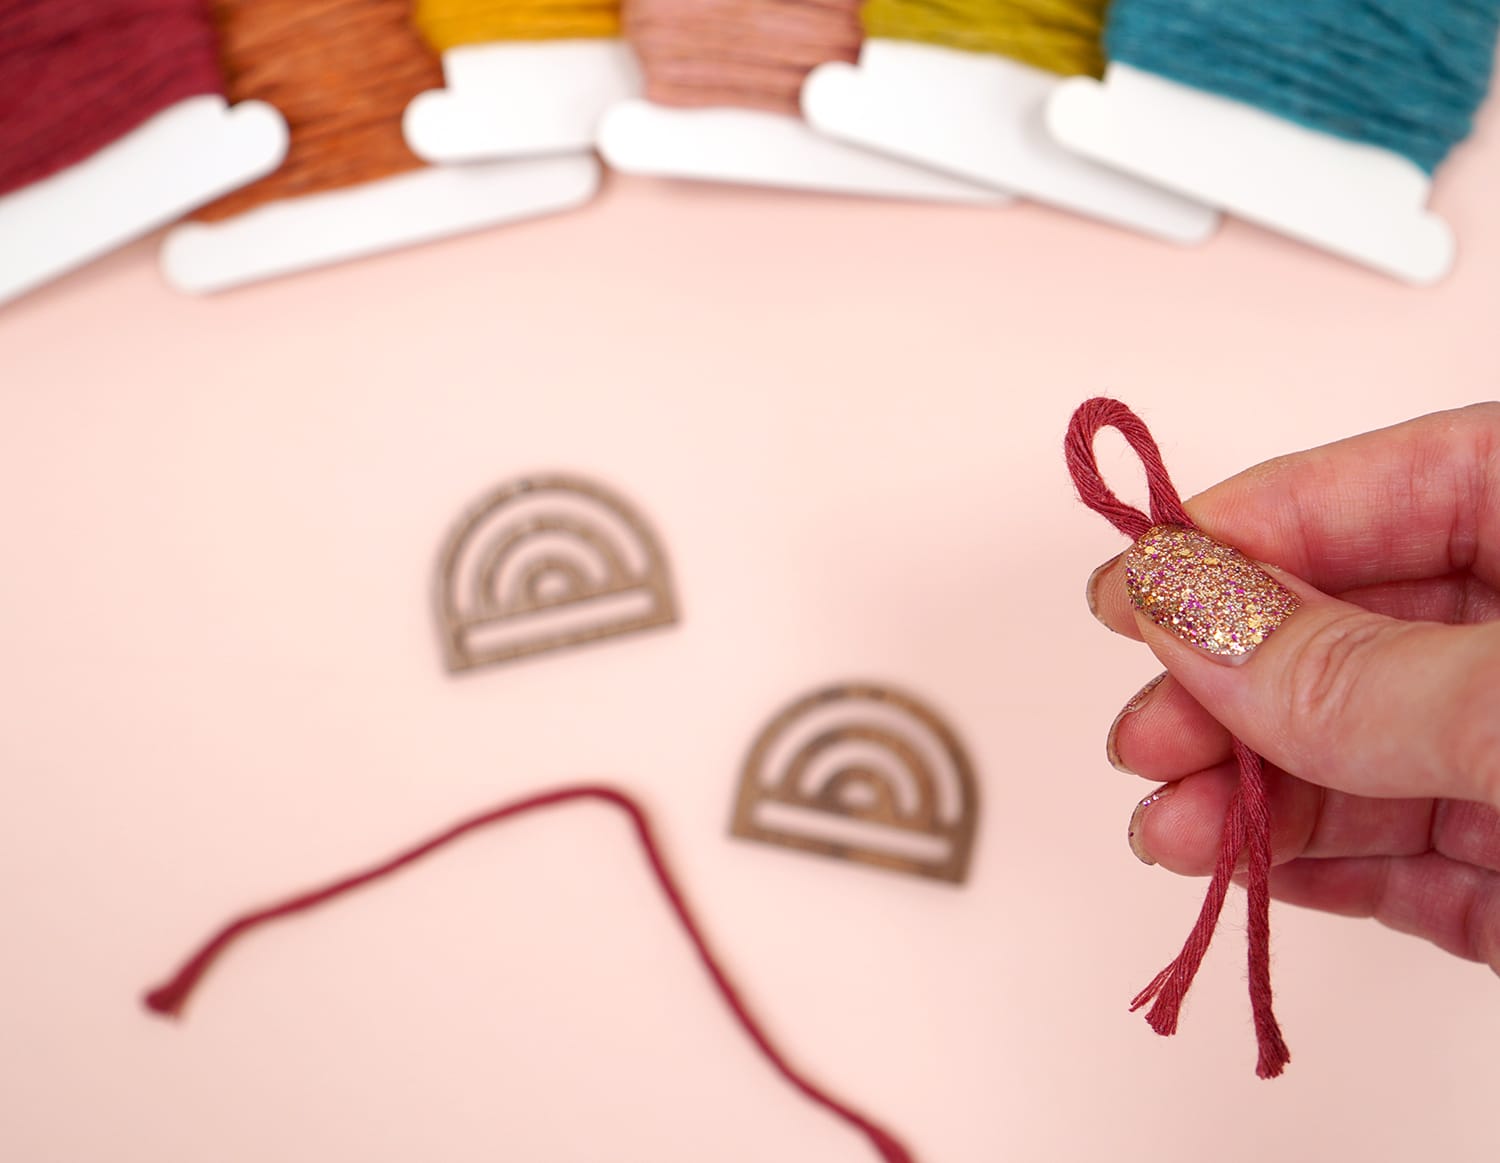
column 1377, row 709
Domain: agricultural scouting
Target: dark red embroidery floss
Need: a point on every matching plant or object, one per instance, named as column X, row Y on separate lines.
column 1247, row 823
column 76, row 75
column 170, row 997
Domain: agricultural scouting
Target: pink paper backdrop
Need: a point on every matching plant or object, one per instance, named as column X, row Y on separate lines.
column 220, row 682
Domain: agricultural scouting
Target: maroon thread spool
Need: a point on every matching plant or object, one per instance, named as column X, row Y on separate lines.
column 77, row 75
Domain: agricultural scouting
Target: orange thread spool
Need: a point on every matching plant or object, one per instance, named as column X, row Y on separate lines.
column 341, row 72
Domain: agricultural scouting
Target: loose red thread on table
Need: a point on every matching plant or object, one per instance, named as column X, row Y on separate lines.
column 76, row 75
column 1247, row 823
column 169, row 998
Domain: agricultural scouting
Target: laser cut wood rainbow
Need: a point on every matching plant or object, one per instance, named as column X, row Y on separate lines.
column 544, row 563
column 865, row 773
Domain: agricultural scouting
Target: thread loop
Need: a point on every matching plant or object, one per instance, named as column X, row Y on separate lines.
column 1247, row 822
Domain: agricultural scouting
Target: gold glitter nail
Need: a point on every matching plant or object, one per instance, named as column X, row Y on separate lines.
column 1204, row 592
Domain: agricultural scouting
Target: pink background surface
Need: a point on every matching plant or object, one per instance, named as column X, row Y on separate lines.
column 221, row 682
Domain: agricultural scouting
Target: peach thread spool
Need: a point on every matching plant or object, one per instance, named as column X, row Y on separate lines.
column 723, row 82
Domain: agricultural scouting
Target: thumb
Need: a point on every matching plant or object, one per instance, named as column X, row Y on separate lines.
column 1332, row 693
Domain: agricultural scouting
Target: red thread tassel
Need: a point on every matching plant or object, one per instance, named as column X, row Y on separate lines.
column 1247, row 823
column 170, row 997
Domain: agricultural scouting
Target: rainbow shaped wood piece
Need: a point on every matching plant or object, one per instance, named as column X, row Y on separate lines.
column 865, row 773
column 544, row 563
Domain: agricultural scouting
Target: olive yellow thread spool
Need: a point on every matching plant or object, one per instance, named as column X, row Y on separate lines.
column 1059, row 36
column 963, row 85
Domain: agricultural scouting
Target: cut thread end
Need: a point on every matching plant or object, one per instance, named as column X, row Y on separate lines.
column 167, row 1001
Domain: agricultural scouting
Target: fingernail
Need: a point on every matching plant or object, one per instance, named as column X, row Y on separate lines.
column 1138, row 818
column 1137, row 701
column 1206, row 593
column 1091, row 589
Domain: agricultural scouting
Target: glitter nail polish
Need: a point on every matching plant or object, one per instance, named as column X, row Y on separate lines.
column 1204, row 592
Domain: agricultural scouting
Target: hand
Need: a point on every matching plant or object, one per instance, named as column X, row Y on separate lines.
column 1377, row 709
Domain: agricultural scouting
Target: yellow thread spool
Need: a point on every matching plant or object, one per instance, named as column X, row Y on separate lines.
column 1060, row 36
column 447, row 24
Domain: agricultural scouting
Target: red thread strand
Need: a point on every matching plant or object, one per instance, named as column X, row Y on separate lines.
column 170, row 997
column 76, row 75
column 1247, row 823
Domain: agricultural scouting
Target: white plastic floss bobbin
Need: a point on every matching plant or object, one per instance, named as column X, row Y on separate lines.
column 315, row 230
column 981, row 117
column 184, row 157
column 751, row 147
column 1359, row 201
column 508, row 99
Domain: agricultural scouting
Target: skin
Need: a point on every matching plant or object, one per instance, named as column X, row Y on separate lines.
column 1376, row 705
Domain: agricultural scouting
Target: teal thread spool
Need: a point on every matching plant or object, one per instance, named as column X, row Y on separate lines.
column 1404, row 75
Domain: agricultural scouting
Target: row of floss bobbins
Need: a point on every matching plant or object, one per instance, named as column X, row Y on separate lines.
column 722, row 101
column 962, row 85
column 113, row 122
column 1321, row 119
column 342, row 73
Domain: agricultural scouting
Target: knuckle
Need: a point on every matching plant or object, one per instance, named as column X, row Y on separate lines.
column 1325, row 674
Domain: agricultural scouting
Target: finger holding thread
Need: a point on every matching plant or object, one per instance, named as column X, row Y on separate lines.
column 1387, row 520
column 1178, row 825
column 1318, row 686
column 1162, row 733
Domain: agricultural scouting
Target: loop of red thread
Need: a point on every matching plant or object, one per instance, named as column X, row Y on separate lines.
column 1247, row 823
column 76, row 75
column 170, row 997
column 1078, row 448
